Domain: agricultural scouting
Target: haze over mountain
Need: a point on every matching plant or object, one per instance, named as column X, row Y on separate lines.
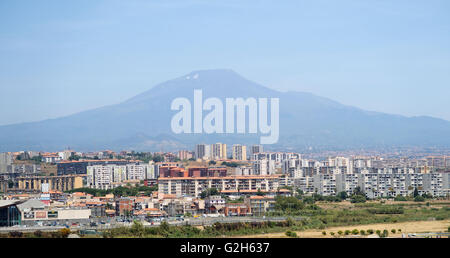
column 142, row 123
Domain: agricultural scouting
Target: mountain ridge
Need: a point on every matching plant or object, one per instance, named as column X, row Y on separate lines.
column 305, row 120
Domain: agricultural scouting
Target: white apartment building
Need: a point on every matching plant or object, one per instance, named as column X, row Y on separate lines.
column 325, row 184
column 194, row 186
column 244, row 171
column 218, row 151
column 347, row 183
column 108, row 176
column 264, row 167
column 305, row 183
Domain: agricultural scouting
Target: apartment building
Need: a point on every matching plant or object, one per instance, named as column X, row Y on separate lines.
column 202, row 151
column 325, row 184
column 34, row 183
column 219, row 151
column 347, row 183
column 259, row 205
column 255, row 149
column 264, row 167
column 305, row 183
column 109, row 176
column 185, row 155
column 194, row 186
column 239, row 152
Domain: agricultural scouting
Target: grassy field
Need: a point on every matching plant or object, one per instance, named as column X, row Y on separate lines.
column 405, row 227
column 409, row 217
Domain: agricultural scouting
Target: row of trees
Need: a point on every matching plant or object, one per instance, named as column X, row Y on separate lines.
column 119, row 191
column 358, row 196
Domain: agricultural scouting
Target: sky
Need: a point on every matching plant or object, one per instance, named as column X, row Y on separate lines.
column 59, row 57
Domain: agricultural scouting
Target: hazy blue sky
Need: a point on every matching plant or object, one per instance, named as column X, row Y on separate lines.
column 61, row 57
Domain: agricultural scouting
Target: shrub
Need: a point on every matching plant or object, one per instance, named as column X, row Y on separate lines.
column 419, row 198
column 37, row 233
column 324, row 233
column 378, row 233
column 399, row 198
column 347, row 232
column 440, row 217
column 332, row 233
column 137, row 229
column 385, row 233
column 362, row 232
column 399, row 230
column 355, row 232
column 64, row 232
column 370, row 231
column 291, row 234
column 55, row 234
column 387, row 210
column 393, row 231
column 340, row 232
column 358, row 199
column 15, row 234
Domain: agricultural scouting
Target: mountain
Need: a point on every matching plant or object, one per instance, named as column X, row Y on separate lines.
column 142, row 123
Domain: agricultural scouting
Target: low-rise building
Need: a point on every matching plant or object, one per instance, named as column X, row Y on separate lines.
column 259, row 205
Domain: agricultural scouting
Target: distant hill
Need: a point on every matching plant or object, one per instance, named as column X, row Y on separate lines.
column 142, row 123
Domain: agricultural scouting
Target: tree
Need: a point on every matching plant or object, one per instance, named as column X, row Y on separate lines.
column 158, row 158
column 65, row 232
column 137, row 229
column 74, row 157
column 358, row 191
column 209, row 192
column 309, row 200
column 399, row 198
column 427, row 196
column 416, row 192
column 358, row 196
column 230, row 164
column 288, row 203
column 419, row 198
column 358, row 199
column 343, row 195
column 259, row 193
